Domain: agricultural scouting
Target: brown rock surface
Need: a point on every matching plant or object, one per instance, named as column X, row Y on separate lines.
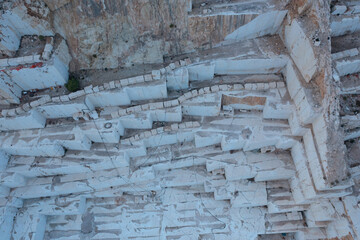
column 112, row 33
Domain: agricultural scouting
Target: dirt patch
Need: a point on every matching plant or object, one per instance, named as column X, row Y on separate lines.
column 31, row 45
column 320, row 82
column 251, row 100
column 294, row 6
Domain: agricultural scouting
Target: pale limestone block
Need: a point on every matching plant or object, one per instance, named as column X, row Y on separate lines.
column 167, row 104
column 168, row 69
column 122, row 112
column 44, row 99
column 188, row 95
column 189, row 124
column 195, row 124
column 148, row 78
column 139, row 79
column 194, row 93
column 11, row 112
column 86, row 116
column 36, row 103
column 28, row 59
column 106, row 86
column 137, row 108
column 254, row 86
column 174, row 103
column 280, row 84
column 172, row 66
column 96, row 89
column 207, row 90
column 124, row 82
column 339, row 9
column 4, row 112
column 272, row 85
column 130, row 110
column 160, row 130
column 76, row 116
column 159, row 105
column 260, row 86
column 115, row 114
column 117, row 84
column 112, row 84
column 223, row 87
column 64, row 98
column 239, row 172
column 145, row 107
column 142, row 135
column 174, row 126
column 152, row 106
column 88, row 89
column 19, row 110
column 156, row 74
column 215, row 88
column 4, row 62
column 181, row 99
column 238, row 87
column 26, row 107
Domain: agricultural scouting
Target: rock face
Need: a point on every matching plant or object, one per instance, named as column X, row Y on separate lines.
column 243, row 125
column 121, row 33
column 112, row 34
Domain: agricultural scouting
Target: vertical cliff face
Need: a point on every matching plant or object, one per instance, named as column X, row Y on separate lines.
column 113, row 33
column 120, row 33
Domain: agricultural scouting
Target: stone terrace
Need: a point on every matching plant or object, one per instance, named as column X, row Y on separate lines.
column 242, row 142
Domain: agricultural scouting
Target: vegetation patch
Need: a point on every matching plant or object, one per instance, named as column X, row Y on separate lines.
column 73, row 84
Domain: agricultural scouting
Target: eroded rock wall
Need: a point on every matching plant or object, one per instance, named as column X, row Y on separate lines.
column 112, row 33
column 121, row 33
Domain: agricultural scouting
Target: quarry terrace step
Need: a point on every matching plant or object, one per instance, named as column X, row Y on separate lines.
column 232, row 131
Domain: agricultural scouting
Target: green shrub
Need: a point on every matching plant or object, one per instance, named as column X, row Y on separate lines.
column 73, row 84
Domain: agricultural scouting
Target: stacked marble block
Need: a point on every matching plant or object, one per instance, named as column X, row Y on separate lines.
column 48, row 69
column 15, row 23
column 316, row 180
column 231, row 182
column 345, row 19
column 345, row 63
column 345, row 72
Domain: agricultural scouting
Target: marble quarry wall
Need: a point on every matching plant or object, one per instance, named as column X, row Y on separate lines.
column 32, row 69
column 246, row 125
